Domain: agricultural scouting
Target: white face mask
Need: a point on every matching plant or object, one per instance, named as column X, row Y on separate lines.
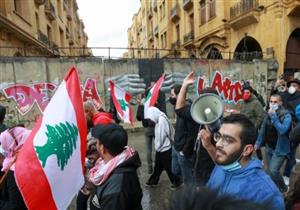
column 273, row 106
column 292, row 90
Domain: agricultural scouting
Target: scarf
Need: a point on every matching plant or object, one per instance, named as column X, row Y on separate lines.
column 11, row 141
column 101, row 171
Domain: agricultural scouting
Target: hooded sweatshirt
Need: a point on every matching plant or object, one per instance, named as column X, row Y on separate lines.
column 163, row 129
column 249, row 182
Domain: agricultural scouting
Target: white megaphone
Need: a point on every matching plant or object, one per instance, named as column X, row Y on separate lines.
column 208, row 109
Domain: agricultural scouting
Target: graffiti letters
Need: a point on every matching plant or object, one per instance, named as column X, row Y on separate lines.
column 231, row 91
column 27, row 95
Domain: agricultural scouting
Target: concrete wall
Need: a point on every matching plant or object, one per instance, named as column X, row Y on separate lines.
column 27, row 84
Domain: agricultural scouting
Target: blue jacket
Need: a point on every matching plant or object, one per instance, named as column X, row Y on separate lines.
column 282, row 127
column 248, row 183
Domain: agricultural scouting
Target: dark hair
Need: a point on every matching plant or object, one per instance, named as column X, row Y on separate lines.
column 176, row 89
column 248, row 133
column 202, row 198
column 293, row 196
column 276, row 96
column 2, row 113
column 113, row 137
column 209, row 90
column 247, row 86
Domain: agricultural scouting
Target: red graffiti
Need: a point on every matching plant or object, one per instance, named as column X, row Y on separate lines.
column 90, row 93
column 231, row 91
column 25, row 96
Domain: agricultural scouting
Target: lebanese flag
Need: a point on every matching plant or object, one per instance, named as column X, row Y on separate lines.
column 50, row 167
column 152, row 95
column 121, row 101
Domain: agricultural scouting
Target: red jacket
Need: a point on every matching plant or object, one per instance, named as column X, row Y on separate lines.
column 102, row 118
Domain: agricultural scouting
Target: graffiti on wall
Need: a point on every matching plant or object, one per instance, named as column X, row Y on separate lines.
column 231, row 91
column 26, row 96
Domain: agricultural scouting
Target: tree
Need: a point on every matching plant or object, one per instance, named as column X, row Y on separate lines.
column 61, row 142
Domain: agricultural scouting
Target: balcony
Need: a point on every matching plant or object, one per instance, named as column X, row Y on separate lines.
column 188, row 40
column 154, row 5
column 40, row 2
column 175, row 13
column 150, row 13
column 50, row 11
column 156, row 31
column 187, row 4
column 294, row 8
column 244, row 13
column 43, row 38
column 175, row 45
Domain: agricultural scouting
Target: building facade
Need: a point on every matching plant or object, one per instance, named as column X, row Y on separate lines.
column 218, row 29
column 41, row 28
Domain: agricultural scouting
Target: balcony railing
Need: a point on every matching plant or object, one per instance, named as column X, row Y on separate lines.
column 187, row 4
column 175, row 44
column 189, row 36
column 243, row 7
column 154, row 5
column 50, row 10
column 175, row 13
column 43, row 38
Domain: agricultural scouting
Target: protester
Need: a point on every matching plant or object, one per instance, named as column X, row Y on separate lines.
column 236, row 173
column 205, row 164
column 251, row 107
column 164, row 134
column 274, row 133
column 148, row 132
column 115, row 172
column 293, row 197
column 204, row 199
column 11, row 141
column 95, row 116
column 3, row 127
column 179, row 138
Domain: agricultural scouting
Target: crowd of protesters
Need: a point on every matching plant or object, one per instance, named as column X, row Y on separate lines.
column 220, row 168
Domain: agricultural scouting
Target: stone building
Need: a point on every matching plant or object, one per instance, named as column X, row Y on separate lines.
column 218, row 29
column 41, row 28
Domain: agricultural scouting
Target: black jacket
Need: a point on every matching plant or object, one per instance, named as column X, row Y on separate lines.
column 10, row 196
column 192, row 129
column 122, row 190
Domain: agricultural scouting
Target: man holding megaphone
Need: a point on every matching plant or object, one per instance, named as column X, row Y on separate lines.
column 204, row 164
column 236, row 173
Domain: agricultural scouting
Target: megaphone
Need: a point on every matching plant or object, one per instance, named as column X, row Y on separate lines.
column 208, row 109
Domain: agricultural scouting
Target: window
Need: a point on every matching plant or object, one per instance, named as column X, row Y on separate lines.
column 37, row 21
column 49, row 33
column 162, row 40
column 177, row 34
column 18, row 6
column 59, row 8
column 61, row 35
column 191, row 21
column 163, row 9
column 212, row 8
column 202, row 12
column 165, row 39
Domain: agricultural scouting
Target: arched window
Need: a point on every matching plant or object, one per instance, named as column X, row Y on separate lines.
column 248, row 49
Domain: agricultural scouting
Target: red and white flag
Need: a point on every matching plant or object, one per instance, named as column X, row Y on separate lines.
column 50, row 167
column 152, row 95
column 121, row 101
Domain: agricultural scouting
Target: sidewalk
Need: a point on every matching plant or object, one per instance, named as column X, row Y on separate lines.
column 137, row 126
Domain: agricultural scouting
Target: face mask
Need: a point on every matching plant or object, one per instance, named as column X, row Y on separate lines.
column 246, row 96
column 172, row 101
column 292, row 90
column 232, row 166
column 235, row 165
column 273, row 106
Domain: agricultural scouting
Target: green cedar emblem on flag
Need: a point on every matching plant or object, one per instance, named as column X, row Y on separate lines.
column 61, row 142
column 123, row 104
column 148, row 96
